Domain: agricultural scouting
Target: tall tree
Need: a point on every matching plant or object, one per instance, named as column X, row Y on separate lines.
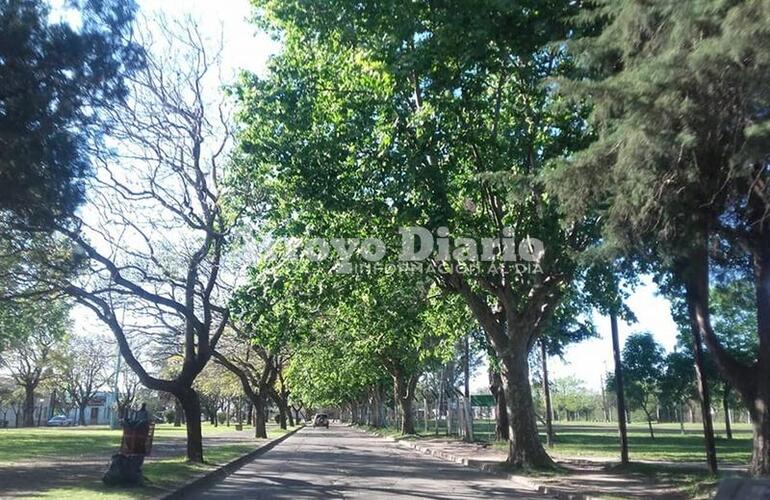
column 391, row 115
column 28, row 357
column 55, row 78
column 152, row 250
column 681, row 156
column 643, row 360
column 80, row 370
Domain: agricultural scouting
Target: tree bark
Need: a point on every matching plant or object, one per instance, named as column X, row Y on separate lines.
column 29, row 405
column 191, row 406
column 547, row 395
column 177, row 413
column 696, row 291
column 82, row 415
column 260, row 424
column 726, row 407
column 282, row 417
column 619, row 391
column 290, row 416
column 405, row 398
column 524, row 446
column 501, row 409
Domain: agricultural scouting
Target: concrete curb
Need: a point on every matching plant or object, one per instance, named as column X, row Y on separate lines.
column 209, row 478
column 524, row 482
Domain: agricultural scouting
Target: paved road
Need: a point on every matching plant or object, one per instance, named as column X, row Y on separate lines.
column 344, row 463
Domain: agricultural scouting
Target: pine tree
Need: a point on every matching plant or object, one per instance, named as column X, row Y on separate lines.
column 680, row 161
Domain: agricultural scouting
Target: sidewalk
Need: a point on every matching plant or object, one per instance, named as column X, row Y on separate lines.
column 579, row 479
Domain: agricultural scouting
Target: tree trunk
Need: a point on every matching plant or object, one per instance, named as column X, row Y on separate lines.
column 619, row 391
column 649, row 424
column 82, row 414
column 697, row 306
column 681, row 419
column 282, row 418
column 191, row 406
column 467, row 420
column 501, row 409
column 705, row 401
column 29, row 405
column 547, row 395
column 260, row 425
column 726, row 407
column 760, row 418
column 290, row 416
column 405, row 397
column 524, row 446
column 177, row 413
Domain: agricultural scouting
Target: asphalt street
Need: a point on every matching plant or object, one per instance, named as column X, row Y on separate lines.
column 341, row 462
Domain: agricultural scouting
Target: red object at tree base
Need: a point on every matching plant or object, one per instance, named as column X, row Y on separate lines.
column 137, row 441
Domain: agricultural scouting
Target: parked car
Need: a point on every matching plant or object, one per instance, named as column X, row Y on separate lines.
column 59, row 421
column 321, row 420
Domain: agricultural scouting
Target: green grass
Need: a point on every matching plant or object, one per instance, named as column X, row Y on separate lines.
column 162, row 474
column 600, row 440
column 50, row 443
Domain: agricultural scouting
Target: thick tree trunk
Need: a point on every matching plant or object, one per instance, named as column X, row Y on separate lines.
column 260, row 425
column 760, row 417
column 547, row 395
column 705, row 400
column 405, row 398
column 694, row 275
column 282, row 417
column 619, row 391
column 501, row 409
column 191, row 407
column 290, row 416
column 524, row 446
column 375, row 410
column 29, row 406
column 726, row 407
column 82, row 415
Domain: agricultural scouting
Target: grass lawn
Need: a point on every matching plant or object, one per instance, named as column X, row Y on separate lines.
column 161, row 474
column 51, row 443
column 601, row 440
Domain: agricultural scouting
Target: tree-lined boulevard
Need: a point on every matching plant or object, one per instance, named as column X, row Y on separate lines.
column 410, row 194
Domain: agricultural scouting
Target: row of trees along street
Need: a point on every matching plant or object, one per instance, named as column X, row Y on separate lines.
column 611, row 141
